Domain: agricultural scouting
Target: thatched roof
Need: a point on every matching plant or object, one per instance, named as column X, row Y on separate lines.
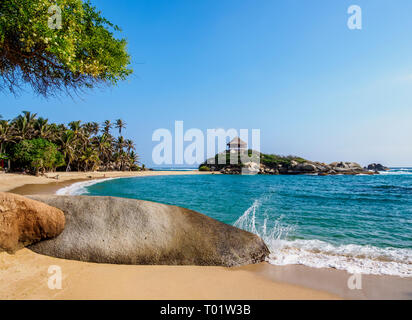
column 237, row 142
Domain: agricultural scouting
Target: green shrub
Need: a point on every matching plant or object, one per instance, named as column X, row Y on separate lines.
column 37, row 154
column 204, row 168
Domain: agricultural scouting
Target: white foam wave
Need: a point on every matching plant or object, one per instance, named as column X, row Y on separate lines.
column 319, row 254
column 397, row 171
column 79, row 188
column 352, row 258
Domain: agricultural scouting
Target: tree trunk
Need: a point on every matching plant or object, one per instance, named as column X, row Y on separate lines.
column 68, row 167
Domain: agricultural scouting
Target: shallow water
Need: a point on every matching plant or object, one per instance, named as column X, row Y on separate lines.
column 355, row 223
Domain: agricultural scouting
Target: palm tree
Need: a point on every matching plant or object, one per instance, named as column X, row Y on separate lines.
column 104, row 146
column 90, row 156
column 75, row 126
column 95, row 127
column 129, row 145
column 24, row 125
column 80, row 144
column 67, row 147
column 6, row 134
column 91, row 128
column 120, row 124
column 42, row 128
column 107, row 126
column 133, row 159
column 120, row 144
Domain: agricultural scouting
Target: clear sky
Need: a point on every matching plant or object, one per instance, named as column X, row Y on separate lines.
column 290, row 68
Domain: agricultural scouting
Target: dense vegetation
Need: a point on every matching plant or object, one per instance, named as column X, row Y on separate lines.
column 273, row 160
column 58, row 45
column 269, row 160
column 33, row 144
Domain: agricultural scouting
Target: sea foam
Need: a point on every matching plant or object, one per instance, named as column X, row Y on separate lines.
column 319, row 254
column 79, row 188
column 397, row 171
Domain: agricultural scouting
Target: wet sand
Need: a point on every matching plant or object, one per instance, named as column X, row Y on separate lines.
column 334, row 281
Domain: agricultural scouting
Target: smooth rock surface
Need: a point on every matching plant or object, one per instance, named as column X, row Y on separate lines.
column 126, row 231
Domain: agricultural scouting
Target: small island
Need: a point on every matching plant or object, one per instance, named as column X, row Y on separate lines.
column 271, row 164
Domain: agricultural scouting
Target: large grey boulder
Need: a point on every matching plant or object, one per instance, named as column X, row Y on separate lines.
column 126, row 231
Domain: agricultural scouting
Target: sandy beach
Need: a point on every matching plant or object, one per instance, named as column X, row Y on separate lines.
column 25, row 274
column 50, row 182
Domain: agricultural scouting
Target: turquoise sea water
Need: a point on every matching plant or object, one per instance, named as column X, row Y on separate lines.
column 356, row 223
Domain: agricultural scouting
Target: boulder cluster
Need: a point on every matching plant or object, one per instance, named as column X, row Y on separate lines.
column 376, row 167
column 294, row 168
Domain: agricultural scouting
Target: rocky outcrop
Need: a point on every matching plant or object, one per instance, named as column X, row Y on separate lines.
column 126, row 231
column 295, row 168
column 24, row 221
column 376, row 167
column 271, row 164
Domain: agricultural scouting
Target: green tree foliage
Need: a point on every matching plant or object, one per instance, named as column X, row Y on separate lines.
column 83, row 146
column 83, row 53
column 270, row 160
column 37, row 155
column 273, row 160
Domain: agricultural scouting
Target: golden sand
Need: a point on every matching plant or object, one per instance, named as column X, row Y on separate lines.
column 24, row 275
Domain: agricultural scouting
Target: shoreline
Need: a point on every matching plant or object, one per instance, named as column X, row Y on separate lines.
column 274, row 282
column 27, row 184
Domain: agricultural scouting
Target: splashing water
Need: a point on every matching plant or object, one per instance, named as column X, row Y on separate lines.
column 319, row 254
column 272, row 234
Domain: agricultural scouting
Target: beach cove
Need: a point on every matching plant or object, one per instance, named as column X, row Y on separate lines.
column 262, row 281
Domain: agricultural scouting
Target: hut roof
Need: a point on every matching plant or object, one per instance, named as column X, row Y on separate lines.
column 237, row 142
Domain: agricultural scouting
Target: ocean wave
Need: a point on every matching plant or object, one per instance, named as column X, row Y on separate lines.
column 319, row 254
column 352, row 258
column 397, row 171
column 392, row 187
column 79, row 188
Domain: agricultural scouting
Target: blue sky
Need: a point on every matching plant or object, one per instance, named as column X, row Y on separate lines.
column 289, row 68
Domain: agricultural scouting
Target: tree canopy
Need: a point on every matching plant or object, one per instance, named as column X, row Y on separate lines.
column 32, row 143
column 81, row 52
column 38, row 154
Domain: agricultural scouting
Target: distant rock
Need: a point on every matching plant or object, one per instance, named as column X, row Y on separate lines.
column 274, row 164
column 307, row 167
column 347, row 168
column 376, row 167
column 126, row 231
column 251, row 168
column 24, row 221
